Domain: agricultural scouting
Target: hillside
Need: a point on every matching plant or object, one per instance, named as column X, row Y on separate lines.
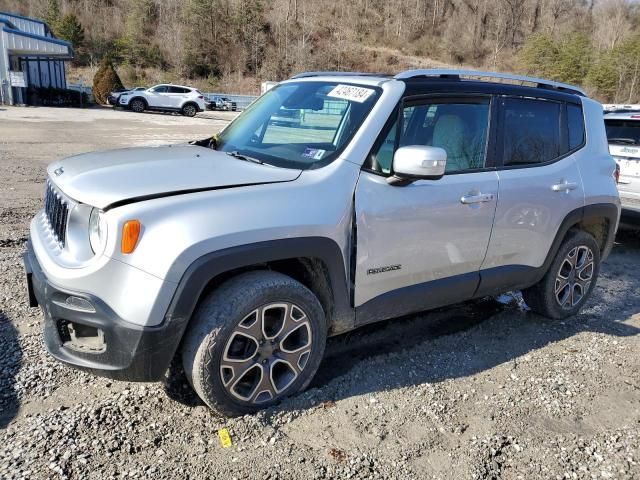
column 233, row 45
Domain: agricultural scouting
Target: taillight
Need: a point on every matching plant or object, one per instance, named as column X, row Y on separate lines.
column 201, row 97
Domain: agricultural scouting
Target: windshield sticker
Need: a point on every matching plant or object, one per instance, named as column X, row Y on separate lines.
column 351, row 93
column 315, row 153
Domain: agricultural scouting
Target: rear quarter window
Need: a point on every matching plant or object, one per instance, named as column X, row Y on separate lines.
column 575, row 124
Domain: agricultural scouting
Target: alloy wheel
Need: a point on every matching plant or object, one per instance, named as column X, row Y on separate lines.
column 266, row 352
column 574, row 277
column 190, row 111
column 137, row 106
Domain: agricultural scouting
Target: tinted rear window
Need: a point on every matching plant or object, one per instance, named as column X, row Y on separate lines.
column 178, row 90
column 623, row 132
column 531, row 131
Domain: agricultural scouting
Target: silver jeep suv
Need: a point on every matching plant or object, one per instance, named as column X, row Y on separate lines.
column 240, row 254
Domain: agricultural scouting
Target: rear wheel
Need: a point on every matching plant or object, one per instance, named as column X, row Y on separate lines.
column 255, row 340
column 189, row 110
column 570, row 279
column 137, row 105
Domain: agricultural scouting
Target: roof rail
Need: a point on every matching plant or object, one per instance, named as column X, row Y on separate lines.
column 451, row 73
column 339, row 74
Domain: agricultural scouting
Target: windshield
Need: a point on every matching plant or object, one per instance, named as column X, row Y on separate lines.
column 623, row 132
column 299, row 125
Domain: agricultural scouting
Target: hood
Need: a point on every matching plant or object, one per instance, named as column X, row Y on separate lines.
column 102, row 179
column 624, row 150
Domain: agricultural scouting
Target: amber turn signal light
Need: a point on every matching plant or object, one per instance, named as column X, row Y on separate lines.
column 130, row 234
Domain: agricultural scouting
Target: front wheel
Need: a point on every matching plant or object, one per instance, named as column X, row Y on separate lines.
column 570, row 279
column 137, row 105
column 253, row 341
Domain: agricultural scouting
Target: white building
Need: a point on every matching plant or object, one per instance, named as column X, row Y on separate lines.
column 30, row 55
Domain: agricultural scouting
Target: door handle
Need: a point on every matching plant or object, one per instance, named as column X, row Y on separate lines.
column 564, row 186
column 477, row 198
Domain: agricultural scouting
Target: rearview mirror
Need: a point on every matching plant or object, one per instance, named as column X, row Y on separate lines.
column 418, row 162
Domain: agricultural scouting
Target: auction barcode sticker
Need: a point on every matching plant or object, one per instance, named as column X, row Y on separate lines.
column 351, row 93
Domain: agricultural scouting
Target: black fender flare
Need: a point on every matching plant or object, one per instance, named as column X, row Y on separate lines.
column 202, row 271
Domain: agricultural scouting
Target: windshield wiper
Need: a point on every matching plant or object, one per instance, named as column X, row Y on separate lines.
column 625, row 141
column 239, row 156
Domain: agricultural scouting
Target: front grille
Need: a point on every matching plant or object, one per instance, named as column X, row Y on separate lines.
column 57, row 212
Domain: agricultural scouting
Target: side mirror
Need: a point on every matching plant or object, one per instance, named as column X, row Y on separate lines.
column 418, row 162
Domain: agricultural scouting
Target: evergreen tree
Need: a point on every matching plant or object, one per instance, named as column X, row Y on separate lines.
column 540, row 55
column 105, row 81
column 70, row 29
column 52, row 14
column 574, row 59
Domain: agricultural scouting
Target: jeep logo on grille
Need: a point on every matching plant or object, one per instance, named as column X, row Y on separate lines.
column 58, row 171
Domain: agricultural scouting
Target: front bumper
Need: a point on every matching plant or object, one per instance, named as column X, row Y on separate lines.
column 122, row 351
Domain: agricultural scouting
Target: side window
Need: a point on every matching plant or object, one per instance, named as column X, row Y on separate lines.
column 460, row 128
column 531, row 131
column 178, row 90
column 160, row 89
column 575, row 122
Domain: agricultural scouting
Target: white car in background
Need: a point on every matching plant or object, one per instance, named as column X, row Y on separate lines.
column 169, row 98
column 623, row 134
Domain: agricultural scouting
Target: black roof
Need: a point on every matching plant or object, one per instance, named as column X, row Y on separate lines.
column 428, row 85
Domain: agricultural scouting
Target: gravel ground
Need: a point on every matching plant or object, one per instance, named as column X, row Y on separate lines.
column 483, row 389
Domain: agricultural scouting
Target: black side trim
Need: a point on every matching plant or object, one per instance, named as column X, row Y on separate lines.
column 497, row 280
column 206, row 268
column 417, row 298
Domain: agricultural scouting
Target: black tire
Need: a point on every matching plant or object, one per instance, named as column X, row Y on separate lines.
column 543, row 298
column 137, row 105
column 218, row 324
column 189, row 110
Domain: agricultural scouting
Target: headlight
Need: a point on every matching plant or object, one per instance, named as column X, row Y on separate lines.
column 97, row 231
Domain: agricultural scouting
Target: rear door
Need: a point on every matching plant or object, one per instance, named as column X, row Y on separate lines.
column 177, row 96
column 540, row 185
column 623, row 135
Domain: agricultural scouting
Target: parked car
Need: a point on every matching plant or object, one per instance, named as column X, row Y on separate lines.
column 114, row 96
column 287, row 117
column 169, row 98
column 217, row 102
column 238, row 255
column 623, row 134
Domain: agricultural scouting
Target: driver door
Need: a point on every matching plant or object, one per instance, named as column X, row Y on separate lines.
column 421, row 245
